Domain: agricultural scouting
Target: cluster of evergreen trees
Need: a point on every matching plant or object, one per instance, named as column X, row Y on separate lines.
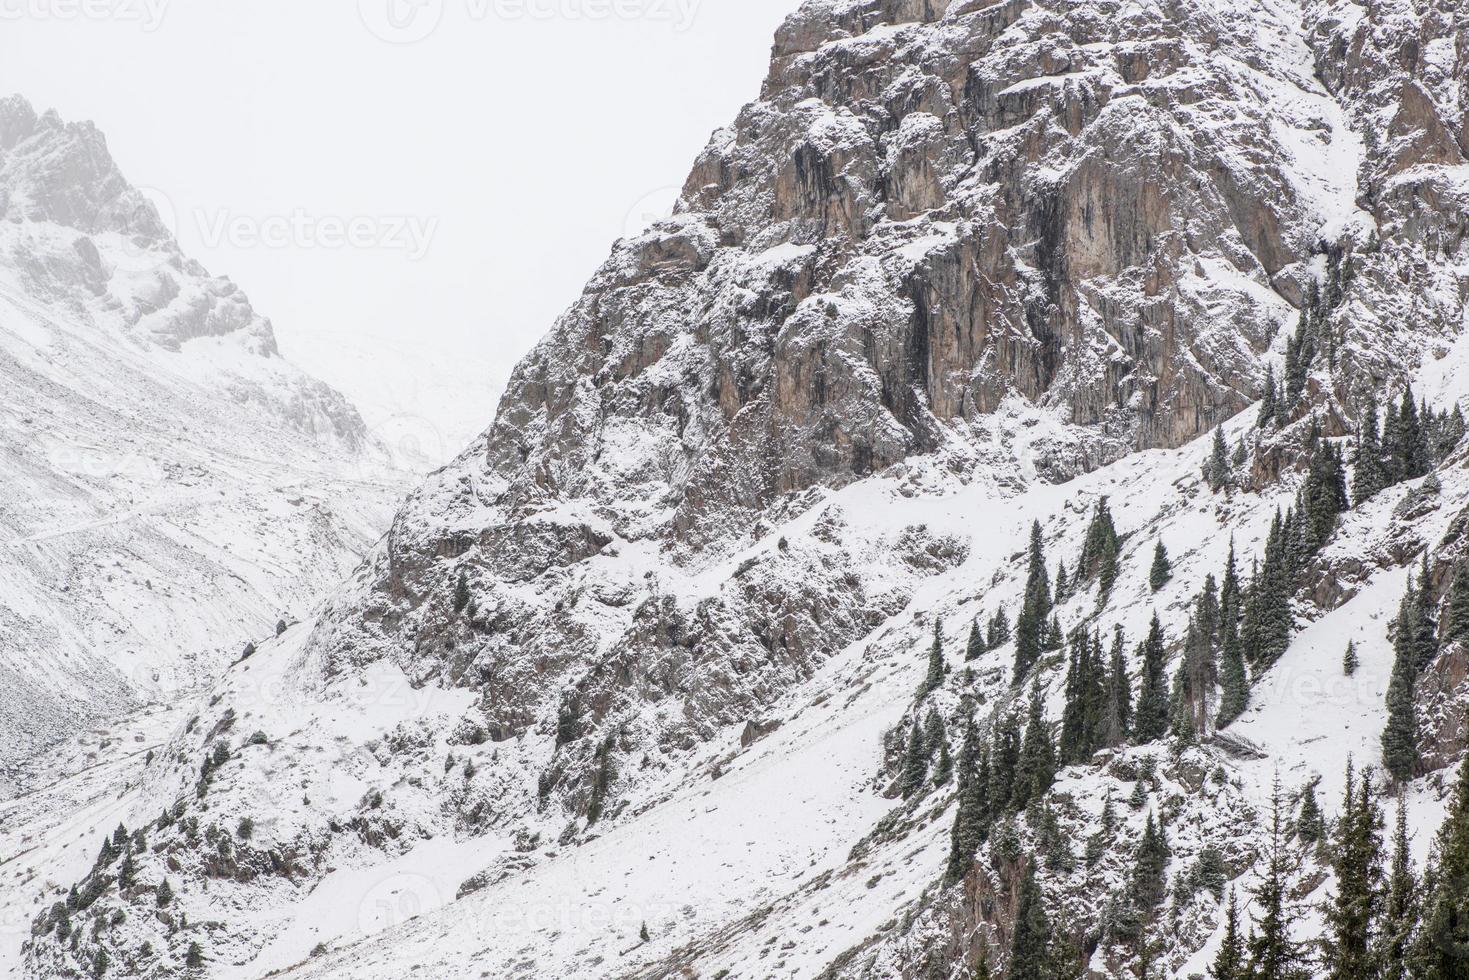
column 1417, row 639
column 1000, row 776
column 1413, row 439
column 1383, row 920
column 1313, row 340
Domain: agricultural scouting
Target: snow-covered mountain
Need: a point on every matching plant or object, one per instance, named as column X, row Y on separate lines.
column 638, row 686
column 170, row 487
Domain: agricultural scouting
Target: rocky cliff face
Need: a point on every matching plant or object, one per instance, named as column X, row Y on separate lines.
column 955, row 255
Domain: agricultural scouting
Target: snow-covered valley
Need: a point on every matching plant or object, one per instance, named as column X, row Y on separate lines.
column 1011, row 520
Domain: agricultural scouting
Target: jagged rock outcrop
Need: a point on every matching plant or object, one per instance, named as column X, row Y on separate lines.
column 955, row 251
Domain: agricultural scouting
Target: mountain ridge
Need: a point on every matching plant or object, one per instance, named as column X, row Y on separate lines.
column 961, row 267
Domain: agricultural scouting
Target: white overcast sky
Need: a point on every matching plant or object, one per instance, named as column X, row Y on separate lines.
column 526, row 134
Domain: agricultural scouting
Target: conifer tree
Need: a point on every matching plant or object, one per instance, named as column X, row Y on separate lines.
column 975, row 648
column 943, row 769
column 1268, row 620
column 1149, row 869
column 1269, row 400
column 938, row 668
column 1456, row 611
column 1274, row 953
column 1162, row 569
column 127, row 871
column 915, row 762
column 1229, row 962
column 1004, row 761
column 1300, row 351
column 1216, row 470
column 1240, row 456
column 1100, row 550
column 1063, row 583
column 1350, row 661
column 970, row 818
column 1030, row 947
column 997, row 632
column 1323, row 496
column 1423, row 631
column 1400, row 910
column 194, row 958
column 1037, row 766
column 1035, row 610
column 1234, row 684
column 1369, row 476
column 1054, row 639
column 1230, row 597
column 1310, row 824
column 1117, row 713
column 1084, row 720
column 1182, row 711
column 982, row 969
column 1151, row 718
column 1139, row 796
column 1400, row 736
column 1351, row 915
column 1392, row 442
column 1451, row 433
column 1441, row 951
column 1072, row 745
column 1410, row 452
column 461, row 592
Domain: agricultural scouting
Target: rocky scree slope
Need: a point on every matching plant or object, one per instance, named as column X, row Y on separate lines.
column 169, row 486
column 955, row 255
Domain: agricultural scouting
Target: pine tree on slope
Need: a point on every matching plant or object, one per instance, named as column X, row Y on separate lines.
column 1441, row 951
column 1352, row 914
column 997, row 633
column 1216, row 470
column 915, row 762
column 1004, row 761
column 1410, row 452
column 1269, row 400
column 1030, row 946
column 1035, row 609
column 1400, row 911
column 1310, row 824
column 1369, row 476
column 1036, row 770
column 1274, row 954
column 970, row 817
column 1456, row 612
column 1229, row 962
column 1117, row 711
column 1162, row 568
column 975, row 648
column 1151, row 717
column 938, row 668
column 1149, row 869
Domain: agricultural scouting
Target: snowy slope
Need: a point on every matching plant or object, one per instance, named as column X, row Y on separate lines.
column 646, row 652
column 169, row 486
